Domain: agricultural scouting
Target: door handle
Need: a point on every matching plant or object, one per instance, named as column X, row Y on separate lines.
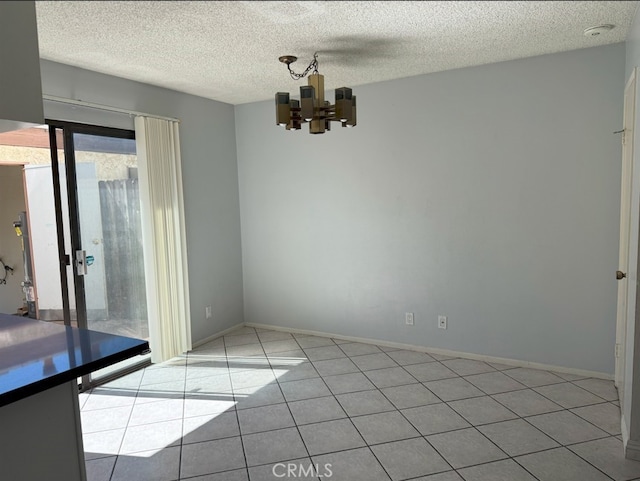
column 81, row 263
column 620, row 275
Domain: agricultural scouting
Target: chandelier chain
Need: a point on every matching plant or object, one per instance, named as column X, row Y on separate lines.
column 312, row 66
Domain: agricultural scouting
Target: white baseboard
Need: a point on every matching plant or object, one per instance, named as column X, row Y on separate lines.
column 216, row 335
column 444, row 352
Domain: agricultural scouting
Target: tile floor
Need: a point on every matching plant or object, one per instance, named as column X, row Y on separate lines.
column 267, row 405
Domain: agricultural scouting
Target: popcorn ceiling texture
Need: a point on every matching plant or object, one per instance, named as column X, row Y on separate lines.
column 228, row 51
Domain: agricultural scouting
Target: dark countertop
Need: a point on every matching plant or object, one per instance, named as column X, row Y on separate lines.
column 36, row 356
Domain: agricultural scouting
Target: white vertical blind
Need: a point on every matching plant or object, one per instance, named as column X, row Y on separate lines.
column 160, row 173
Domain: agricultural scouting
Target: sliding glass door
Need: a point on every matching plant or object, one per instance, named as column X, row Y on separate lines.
column 102, row 261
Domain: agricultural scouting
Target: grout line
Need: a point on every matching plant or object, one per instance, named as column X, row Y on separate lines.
column 396, row 409
column 376, row 388
column 590, row 391
column 287, row 404
column 475, row 427
column 486, row 394
column 184, row 393
column 526, row 418
column 235, row 405
column 509, row 457
column 566, row 449
column 379, row 389
column 587, row 420
column 126, row 428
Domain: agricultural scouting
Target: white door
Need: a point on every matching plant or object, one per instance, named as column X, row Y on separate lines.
column 625, row 221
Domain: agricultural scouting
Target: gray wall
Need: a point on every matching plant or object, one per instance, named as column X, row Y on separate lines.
column 12, row 202
column 20, row 89
column 488, row 194
column 210, row 178
column 633, row 46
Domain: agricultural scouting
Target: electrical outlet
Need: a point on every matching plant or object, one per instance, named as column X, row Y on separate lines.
column 207, row 312
column 408, row 318
column 442, row 322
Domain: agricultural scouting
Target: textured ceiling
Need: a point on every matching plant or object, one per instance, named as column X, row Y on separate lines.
column 228, row 51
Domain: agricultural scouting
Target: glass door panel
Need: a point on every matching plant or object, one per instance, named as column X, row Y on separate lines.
column 106, row 234
column 111, row 232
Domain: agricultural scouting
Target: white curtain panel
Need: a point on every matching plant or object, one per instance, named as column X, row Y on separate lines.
column 162, row 206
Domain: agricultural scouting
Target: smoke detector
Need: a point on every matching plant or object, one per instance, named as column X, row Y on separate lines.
column 598, row 30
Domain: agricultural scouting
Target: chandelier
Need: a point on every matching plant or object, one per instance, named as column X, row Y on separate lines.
column 312, row 107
